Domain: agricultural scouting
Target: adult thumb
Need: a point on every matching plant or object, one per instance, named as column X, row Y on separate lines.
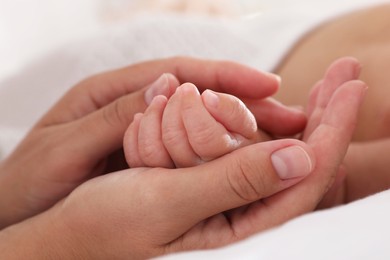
column 239, row 178
column 102, row 132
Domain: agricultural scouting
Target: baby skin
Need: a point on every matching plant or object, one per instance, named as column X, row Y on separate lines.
column 190, row 128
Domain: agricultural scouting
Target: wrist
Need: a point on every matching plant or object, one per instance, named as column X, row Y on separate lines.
column 41, row 237
column 9, row 200
column 16, row 203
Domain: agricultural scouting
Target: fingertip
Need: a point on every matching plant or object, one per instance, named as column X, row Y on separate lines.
column 268, row 83
column 173, row 84
column 248, row 82
column 159, row 101
column 210, row 98
column 343, row 69
column 269, row 113
column 165, row 85
column 355, row 64
column 188, row 89
column 275, row 77
column 341, row 114
column 355, row 86
column 172, row 79
column 362, row 89
column 361, row 84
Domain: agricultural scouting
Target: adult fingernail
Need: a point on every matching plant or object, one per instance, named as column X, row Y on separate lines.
column 210, row 98
column 159, row 87
column 292, row 162
column 277, row 77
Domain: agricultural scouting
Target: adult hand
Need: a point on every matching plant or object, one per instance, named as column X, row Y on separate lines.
column 143, row 212
column 80, row 136
column 364, row 172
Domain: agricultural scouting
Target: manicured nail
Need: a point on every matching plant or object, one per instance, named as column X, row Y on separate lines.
column 159, row 87
column 277, row 77
column 210, row 98
column 291, row 162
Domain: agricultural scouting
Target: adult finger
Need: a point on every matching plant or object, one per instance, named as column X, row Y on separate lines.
column 101, row 132
column 339, row 72
column 275, row 118
column 102, row 89
column 239, row 178
column 329, row 142
column 222, row 76
column 313, row 96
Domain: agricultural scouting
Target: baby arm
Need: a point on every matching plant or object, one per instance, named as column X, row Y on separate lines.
column 189, row 128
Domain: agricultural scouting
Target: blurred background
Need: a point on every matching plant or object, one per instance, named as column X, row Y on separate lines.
column 29, row 29
column 46, row 46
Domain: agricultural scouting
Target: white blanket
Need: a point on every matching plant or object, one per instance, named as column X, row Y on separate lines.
column 355, row 231
column 359, row 230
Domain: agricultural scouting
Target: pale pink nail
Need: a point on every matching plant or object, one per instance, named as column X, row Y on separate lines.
column 292, row 162
column 159, row 87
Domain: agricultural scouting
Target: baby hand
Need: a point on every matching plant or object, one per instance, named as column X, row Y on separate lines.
column 189, row 129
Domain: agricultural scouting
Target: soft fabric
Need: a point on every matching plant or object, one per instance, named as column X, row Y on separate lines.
column 357, row 231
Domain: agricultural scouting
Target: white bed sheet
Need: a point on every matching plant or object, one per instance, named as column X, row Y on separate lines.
column 358, row 231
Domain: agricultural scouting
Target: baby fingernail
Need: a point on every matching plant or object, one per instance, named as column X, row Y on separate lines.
column 189, row 88
column 292, row 162
column 210, row 98
column 159, row 87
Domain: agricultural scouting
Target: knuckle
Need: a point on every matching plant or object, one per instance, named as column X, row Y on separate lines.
column 149, row 152
column 240, row 113
column 171, row 137
column 237, row 108
column 246, row 181
column 208, row 144
column 203, row 137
